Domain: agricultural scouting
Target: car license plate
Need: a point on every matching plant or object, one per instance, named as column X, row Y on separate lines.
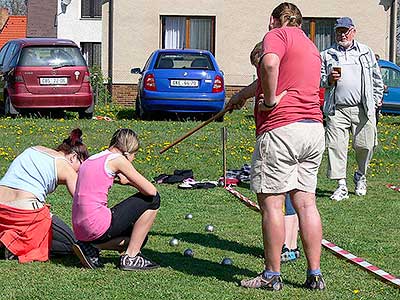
column 53, row 80
column 185, row 83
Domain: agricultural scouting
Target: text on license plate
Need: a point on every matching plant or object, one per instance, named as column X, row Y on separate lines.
column 185, row 83
column 53, row 80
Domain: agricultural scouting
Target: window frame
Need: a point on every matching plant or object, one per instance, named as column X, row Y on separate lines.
column 312, row 32
column 90, row 50
column 92, row 9
column 385, row 69
column 187, row 30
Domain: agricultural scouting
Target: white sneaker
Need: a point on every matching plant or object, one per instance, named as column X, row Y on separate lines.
column 361, row 184
column 341, row 193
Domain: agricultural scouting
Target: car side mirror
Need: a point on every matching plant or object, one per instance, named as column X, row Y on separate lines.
column 136, row 71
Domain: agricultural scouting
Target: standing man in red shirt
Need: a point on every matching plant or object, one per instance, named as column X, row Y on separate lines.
column 290, row 143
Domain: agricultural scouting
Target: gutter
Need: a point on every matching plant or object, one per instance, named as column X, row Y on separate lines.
column 392, row 32
column 110, row 46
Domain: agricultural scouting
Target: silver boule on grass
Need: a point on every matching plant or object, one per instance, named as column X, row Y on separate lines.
column 189, row 216
column 227, row 261
column 188, row 253
column 209, row 228
column 174, row 242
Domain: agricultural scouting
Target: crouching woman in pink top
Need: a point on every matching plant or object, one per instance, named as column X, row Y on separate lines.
column 123, row 227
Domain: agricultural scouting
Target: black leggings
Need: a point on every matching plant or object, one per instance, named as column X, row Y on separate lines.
column 125, row 214
column 63, row 237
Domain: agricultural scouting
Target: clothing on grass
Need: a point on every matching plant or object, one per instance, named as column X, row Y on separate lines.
column 178, row 176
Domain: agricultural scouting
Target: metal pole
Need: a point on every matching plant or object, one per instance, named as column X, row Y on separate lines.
column 392, row 32
column 224, row 136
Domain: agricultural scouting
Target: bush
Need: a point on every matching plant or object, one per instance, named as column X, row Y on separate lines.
column 99, row 85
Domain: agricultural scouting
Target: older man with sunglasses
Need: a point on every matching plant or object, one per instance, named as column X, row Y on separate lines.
column 353, row 82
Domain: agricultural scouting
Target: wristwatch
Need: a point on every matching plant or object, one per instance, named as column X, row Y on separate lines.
column 269, row 106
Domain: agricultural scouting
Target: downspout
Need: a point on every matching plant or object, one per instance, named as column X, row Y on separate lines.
column 110, row 46
column 392, row 32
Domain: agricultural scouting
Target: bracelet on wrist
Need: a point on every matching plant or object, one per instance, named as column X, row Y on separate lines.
column 269, row 106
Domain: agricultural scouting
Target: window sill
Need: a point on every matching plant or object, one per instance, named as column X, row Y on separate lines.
column 91, row 18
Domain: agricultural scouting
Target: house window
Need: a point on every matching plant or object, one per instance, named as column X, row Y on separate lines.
column 92, row 53
column 188, row 32
column 91, row 8
column 320, row 31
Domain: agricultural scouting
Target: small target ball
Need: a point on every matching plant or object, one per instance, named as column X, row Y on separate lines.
column 188, row 252
column 227, row 261
column 209, row 228
column 174, row 242
column 189, row 216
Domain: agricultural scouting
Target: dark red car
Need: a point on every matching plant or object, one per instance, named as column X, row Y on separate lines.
column 44, row 74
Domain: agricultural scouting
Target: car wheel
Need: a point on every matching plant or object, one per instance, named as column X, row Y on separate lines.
column 137, row 108
column 140, row 112
column 9, row 109
column 85, row 115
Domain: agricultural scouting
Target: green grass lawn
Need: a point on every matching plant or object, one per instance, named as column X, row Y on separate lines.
column 368, row 227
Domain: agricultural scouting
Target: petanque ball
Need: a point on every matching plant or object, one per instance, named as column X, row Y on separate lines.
column 174, row 242
column 188, row 252
column 227, row 261
column 209, row 228
column 189, row 216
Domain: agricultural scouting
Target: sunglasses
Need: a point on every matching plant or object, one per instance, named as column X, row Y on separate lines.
column 345, row 31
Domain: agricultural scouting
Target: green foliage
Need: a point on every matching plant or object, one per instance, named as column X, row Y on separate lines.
column 366, row 226
column 98, row 82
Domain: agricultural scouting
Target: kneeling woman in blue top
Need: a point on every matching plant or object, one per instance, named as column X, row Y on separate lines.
column 27, row 228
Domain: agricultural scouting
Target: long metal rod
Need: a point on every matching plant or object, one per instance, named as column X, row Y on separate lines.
column 218, row 115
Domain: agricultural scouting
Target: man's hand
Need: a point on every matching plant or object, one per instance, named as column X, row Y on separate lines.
column 236, row 102
column 261, row 103
column 334, row 77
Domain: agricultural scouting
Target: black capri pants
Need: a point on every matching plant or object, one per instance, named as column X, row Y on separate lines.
column 63, row 237
column 125, row 214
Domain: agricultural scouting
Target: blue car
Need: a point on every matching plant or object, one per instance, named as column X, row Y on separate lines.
column 180, row 81
column 391, row 78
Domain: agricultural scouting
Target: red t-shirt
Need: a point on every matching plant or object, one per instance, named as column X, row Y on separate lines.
column 299, row 75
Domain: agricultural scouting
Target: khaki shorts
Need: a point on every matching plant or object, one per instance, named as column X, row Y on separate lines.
column 288, row 158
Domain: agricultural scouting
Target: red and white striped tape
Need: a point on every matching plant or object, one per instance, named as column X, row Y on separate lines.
column 393, row 187
column 361, row 262
column 102, row 118
column 331, row 246
column 242, row 198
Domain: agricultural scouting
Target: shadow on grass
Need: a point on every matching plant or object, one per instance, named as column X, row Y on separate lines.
column 126, row 113
column 73, row 261
column 323, row 193
column 213, row 241
column 199, row 267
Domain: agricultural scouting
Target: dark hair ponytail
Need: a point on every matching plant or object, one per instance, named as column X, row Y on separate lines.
column 288, row 14
column 74, row 144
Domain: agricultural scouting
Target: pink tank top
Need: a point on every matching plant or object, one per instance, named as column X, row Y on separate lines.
column 91, row 216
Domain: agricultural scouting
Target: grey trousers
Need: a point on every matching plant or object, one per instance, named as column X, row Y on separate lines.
column 348, row 120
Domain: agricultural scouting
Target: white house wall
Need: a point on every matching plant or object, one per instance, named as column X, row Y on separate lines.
column 239, row 25
column 71, row 26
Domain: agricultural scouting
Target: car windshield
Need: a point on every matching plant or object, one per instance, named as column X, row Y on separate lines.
column 184, row 61
column 51, row 56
